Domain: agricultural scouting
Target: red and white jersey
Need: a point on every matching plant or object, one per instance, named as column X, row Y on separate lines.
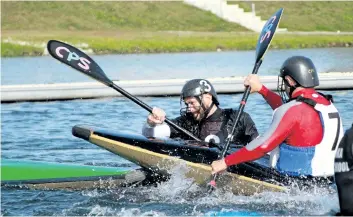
column 304, row 138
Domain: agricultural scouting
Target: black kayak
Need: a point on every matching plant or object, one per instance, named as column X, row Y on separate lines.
column 152, row 153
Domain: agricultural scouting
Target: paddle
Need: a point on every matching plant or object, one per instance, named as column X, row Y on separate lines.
column 80, row 61
column 263, row 44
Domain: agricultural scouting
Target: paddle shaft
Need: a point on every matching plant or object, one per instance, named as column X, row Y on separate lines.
column 240, row 111
column 237, row 119
column 149, row 109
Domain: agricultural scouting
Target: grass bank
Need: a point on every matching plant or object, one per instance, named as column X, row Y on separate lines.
column 155, row 42
column 109, row 16
column 150, row 27
column 306, row 15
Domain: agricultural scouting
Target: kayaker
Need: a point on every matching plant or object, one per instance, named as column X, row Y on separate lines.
column 305, row 130
column 344, row 173
column 202, row 116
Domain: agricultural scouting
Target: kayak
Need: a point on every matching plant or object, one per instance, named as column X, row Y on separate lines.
column 161, row 155
column 45, row 175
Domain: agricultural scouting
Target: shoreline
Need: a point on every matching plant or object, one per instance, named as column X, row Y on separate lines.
column 166, row 42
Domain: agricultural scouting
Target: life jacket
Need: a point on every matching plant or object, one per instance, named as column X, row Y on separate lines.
column 317, row 160
column 217, row 127
column 214, row 129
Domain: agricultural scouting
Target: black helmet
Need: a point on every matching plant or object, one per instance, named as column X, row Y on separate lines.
column 197, row 87
column 302, row 70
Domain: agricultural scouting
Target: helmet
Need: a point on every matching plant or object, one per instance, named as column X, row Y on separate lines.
column 197, row 87
column 302, row 70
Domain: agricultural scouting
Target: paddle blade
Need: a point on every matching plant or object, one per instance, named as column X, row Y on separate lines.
column 212, row 185
column 78, row 60
column 267, row 34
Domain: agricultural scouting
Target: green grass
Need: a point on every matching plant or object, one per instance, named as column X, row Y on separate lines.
column 171, row 42
column 12, row 50
column 109, row 16
column 150, row 27
column 308, row 16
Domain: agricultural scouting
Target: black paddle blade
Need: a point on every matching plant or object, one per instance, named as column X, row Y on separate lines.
column 78, row 60
column 267, row 33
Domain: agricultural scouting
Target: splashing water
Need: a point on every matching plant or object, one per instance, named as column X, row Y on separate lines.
column 182, row 196
column 42, row 132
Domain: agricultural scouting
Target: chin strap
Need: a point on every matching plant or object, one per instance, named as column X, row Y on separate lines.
column 206, row 111
column 291, row 88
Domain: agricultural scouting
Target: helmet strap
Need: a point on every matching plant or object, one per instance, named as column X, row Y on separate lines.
column 206, row 111
column 291, row 88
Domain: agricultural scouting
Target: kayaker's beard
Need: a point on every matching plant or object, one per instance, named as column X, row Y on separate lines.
column 197, row 114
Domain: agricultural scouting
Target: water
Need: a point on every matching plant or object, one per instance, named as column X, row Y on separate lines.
column 34, row 70
column 41, row 131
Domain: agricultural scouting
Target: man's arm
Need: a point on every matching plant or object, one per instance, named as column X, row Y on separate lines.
column 281, row 126
column 163, row 130
column 155, row 126
column 273, row 99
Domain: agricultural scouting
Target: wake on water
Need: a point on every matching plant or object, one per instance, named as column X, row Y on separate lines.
column 181, row 196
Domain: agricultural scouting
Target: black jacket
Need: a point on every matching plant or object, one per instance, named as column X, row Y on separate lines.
column 344, row 173
column 220, row 124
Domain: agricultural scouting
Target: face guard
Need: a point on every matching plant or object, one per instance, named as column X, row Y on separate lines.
column 284, row 89
column 201, row 109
